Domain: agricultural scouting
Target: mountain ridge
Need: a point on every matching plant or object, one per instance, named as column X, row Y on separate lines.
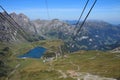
column 95, row 35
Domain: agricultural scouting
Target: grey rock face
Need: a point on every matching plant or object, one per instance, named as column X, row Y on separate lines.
column 9, row 30
column 95, row 35
column 24, row 22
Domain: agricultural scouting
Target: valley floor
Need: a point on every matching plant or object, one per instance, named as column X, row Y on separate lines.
column 81, row 65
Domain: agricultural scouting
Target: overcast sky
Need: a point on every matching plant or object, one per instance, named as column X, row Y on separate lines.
column 107, row 10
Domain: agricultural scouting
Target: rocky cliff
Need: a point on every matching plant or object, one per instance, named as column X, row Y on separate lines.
column 95, row 35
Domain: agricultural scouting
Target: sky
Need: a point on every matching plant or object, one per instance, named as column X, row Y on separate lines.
column 106, row 10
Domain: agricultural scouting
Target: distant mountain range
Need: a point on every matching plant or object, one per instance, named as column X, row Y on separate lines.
column 95, row 35
column 98, row 35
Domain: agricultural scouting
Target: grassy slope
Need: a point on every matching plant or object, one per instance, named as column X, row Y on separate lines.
column 94, row 62
column 16, row 49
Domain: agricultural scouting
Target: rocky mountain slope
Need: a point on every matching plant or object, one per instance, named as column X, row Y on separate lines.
column 95, row 35
column 17, row 28
column 55, row 28
column 9, row 30
column 24, row 22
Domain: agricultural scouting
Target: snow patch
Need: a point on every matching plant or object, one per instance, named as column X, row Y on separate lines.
column 91, row 40
column 83, row 37
column 96, row 36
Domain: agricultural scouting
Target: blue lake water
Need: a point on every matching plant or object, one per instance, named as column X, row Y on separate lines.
column 37, row 52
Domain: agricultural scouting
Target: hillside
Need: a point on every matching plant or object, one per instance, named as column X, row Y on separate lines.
column 60, row 62
column 78, row 65
column 83, row 65
column 95, row 35
column 9, row 30
column 9, row 62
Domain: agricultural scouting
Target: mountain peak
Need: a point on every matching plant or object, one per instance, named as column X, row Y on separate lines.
column 13, row 13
